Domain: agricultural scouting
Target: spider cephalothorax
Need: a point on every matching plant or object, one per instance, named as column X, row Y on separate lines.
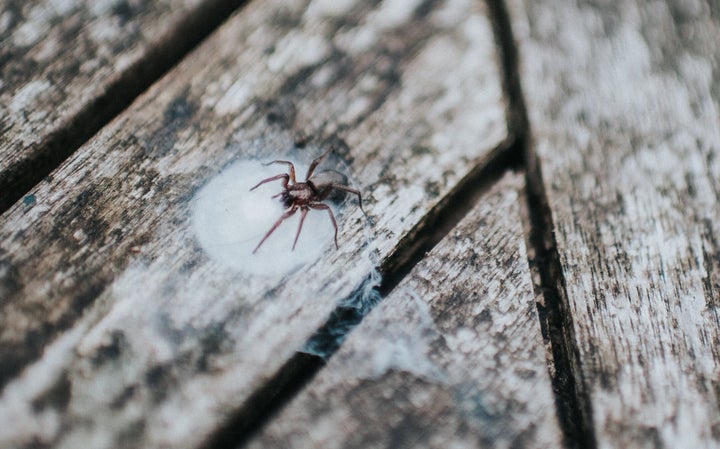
column 308, row 194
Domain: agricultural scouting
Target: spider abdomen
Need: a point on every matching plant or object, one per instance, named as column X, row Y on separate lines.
column 324, row 181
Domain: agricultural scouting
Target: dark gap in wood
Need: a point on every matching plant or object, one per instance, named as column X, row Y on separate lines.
column 572, row 401
column 447, row 214
column 162, row 57
column 265, row 402
column 346, row 316
column 571, row 398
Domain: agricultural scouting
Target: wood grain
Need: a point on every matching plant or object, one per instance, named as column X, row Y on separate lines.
column 623, row 103
column 67, row 67
column 117, row 328
column 453, row 357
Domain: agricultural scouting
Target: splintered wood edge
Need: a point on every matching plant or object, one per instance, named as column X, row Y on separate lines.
column 103, row 274
column 453, row 357
column 624, row 106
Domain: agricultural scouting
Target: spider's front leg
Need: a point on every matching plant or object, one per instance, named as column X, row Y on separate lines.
column 289, row 164
column 283, row 176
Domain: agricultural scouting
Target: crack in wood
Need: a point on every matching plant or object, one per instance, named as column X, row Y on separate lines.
column 571, row 398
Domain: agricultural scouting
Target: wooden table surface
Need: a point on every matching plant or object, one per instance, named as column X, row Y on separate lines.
column 536, row 262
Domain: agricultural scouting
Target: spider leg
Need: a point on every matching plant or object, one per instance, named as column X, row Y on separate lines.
column 350, row 190
column 289, row 164
column 283, row 176
column 315, row 163
column 282, row 218
column 303, row 213
column 321, row 206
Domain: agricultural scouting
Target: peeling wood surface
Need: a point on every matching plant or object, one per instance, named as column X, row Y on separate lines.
column 623, row 102
column 67, row 65
column 453, row 357
column 113, row 317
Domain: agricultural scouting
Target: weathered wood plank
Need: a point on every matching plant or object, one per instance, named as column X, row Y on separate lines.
column 66, row 67
column 623, row 102
column 453, row 357
column 409, row 95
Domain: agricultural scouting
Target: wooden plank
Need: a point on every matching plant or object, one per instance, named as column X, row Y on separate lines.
column 453, row 357
column 623, row 103
column 66, row 67
column 176, row 338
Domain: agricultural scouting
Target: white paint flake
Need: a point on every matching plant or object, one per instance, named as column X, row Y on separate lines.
column 319, row 9
column 298, row 50
column 26, row 95
column 393, row 13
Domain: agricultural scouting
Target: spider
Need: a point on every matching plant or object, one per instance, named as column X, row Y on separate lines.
column 307, row 195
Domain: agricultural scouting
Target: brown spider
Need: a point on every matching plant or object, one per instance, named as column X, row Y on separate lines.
column 307, row 195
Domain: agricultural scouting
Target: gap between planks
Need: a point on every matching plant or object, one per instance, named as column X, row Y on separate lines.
column 572, row 402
